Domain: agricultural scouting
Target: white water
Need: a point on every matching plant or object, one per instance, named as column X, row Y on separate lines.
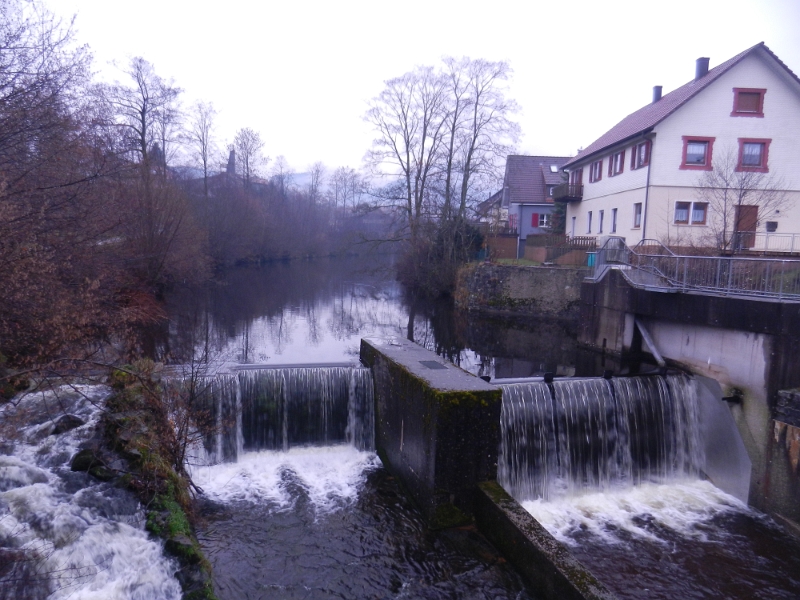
column 329, row 476
column 680, row 506
column 82, row 539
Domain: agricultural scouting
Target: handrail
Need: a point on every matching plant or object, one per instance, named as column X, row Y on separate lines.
column 713, row 275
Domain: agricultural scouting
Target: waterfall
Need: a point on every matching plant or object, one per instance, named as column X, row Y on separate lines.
column 283, row 408
column 572, row 435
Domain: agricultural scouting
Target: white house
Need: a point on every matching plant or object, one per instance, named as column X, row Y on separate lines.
column 656, row 174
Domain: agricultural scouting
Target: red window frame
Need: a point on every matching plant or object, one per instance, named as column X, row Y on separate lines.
column 635, row 164
column 738, row 112
column 764, row 166
column 709, row 141
column 596, row 171
column 616, row 163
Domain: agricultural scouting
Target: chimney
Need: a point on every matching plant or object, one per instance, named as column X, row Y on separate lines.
column 656, row 93
column 701, row 68
column 231, row 168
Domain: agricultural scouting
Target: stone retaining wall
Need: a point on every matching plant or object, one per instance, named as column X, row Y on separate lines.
column 523, row 290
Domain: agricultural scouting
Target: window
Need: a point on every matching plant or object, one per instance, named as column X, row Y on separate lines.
column 699, row 211
column 600, row 224
column 540, row 220
column 753, row 155
column 691, row 212
column 772, row 226
column 550, row 190
column 748, row 102
column 573, row 226
column 616, row 163
column 640, row 155
column 613, row 220
column 589, row 222
column 512, row 222
column 554, row 168
column 637, row 215
column 682, row 212
column 596, row 171
column 697, row 153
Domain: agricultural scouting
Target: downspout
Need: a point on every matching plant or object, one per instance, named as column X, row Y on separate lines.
column 647, row 191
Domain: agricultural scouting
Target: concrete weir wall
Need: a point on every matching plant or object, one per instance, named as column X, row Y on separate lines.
column 751, row 347
column 437, row 428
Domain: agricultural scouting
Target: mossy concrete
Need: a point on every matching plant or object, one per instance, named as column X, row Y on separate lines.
column 546, row 563
column 510, row 289
column 437, row 427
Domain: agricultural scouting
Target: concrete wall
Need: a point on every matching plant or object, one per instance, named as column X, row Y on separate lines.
column 751, row 347
column 511, row 289
column 437, row 429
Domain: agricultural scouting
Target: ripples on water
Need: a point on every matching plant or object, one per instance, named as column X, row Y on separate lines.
column 686, row 540
column 319, row 523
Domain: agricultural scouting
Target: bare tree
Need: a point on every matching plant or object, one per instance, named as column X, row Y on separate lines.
column 201, row 138
column 409, row 117
column 145, row 108
column 282, row 175
column 248, row 145
column 317, row 174
column 735, row 194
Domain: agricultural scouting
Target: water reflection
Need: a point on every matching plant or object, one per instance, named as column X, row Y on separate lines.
column 318, row 311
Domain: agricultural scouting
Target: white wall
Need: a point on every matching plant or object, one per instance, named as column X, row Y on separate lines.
column 709, row 115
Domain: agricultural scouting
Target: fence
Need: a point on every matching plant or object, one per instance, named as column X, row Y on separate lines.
column 652, row 265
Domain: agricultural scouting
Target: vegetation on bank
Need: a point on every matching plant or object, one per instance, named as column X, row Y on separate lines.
column 139, row 425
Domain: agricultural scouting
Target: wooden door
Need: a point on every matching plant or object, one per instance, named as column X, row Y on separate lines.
column 746, row 221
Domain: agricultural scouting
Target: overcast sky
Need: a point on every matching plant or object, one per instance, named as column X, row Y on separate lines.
column 301, row 72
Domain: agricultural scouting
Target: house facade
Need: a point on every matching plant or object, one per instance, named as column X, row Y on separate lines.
column 714, row 163
column 527, row 195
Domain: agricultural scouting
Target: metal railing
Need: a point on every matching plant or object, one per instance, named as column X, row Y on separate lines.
column 568, row 191
column 768, row 242
column 652, row 265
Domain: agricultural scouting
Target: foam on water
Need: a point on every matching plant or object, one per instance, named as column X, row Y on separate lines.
column 680, row 506
column 70, row 536
column 330, row 476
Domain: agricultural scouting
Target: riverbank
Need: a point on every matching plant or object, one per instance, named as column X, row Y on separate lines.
column 510, row 289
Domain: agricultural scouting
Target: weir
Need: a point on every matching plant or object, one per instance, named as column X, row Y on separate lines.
column 285, row 407
column 464, row 448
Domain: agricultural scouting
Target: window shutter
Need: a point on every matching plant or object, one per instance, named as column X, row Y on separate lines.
column 535, row 220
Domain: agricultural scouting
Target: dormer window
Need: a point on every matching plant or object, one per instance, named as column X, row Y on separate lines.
column 748, row 102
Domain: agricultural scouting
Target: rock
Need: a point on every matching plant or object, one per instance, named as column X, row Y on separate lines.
column 67, row 423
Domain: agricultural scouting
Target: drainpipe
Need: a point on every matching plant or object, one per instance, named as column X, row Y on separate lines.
column 647, row 191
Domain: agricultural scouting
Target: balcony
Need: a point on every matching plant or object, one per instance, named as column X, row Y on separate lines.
column 568, row 192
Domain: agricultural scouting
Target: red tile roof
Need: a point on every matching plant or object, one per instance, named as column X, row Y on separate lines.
column 649, row 116
column 527, row 177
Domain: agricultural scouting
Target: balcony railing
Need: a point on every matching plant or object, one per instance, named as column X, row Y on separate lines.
column 568, row 192
column 766, row 242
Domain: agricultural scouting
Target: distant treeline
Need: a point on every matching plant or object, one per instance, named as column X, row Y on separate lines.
column 96, row 220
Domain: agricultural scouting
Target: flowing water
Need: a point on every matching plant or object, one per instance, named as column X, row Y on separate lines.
column 297, row 505
column 612, row 468
column 64, row 535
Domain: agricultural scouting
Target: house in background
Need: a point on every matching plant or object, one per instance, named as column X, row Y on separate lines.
column 643, row 178
column 527, row 195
